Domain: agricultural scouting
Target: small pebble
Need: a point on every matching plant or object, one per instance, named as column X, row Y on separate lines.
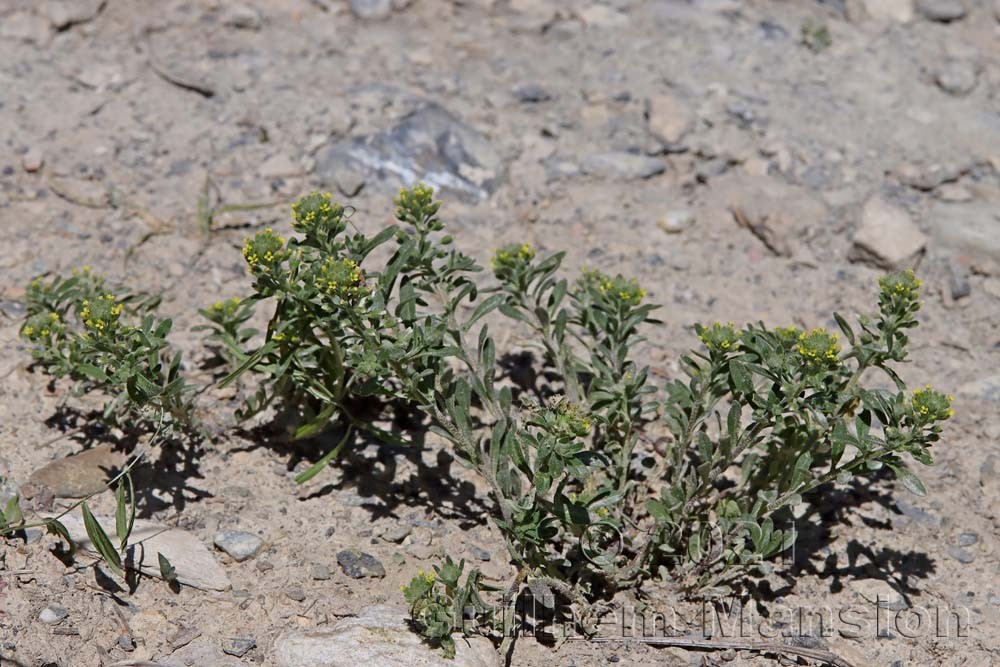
column 239, row 544
column 967, row 539
column 675, row 222
column 479, row 552
column 396, row 533
column 238, row 646
column 961, row 555
column 296, row 594
column 33, row 160
column 126, row 643
column 357, row 564
column 53, row 614
column 320, row 572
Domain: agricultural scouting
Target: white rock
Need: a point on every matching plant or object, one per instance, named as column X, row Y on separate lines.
column 378, row 636
column 676, row 221
column 900, row 11
column 887, row 237
column 195, row 565
column 670, row 118
column 52, row 614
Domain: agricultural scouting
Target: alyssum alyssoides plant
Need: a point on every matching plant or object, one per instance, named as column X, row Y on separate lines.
column 108, row 342
column 586, row 505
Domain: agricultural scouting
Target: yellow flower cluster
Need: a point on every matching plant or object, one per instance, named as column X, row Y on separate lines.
column 227, row 306
column 265, row 250
column 510, row 259
column 720, row 337
column 102, row 314
column 340, row 277
column 314, row 211
column 930, row 406
column 42, row 326
column 819, row 347
column 626, row 290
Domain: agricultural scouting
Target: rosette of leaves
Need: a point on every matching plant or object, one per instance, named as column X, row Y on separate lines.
column 109, row 341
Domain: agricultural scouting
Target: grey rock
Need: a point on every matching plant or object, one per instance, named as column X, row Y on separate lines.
column 622, row 166
column 319, row 572
column 80, row 475
column 956, row 77
column 194, row 563
column 243, row 17
column 961, row 555
column 126, row 643
column 238, row 646
column 240, row 545
column 944, row 11
column 968, row 539
column 295, row 593
column 378, row 636
column 371, row 9
column 887, row 237
column 916, row 514
column 429, row 145
column 969, row 233
column 479, row 552
column 357, row 564
column 958, row 282
column 531, row 93
column 396, row 533
column 52, row 614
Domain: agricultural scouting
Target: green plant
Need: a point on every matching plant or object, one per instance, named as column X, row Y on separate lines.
column 586, row 503
column 110, row 343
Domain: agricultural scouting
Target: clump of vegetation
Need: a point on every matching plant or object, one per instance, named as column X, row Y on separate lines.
column 586, row 505
column 365, row 328
column 109, row 341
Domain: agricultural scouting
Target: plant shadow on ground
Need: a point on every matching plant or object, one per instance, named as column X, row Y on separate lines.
column 831, row 506
column 161, row 481
column 370, row 468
